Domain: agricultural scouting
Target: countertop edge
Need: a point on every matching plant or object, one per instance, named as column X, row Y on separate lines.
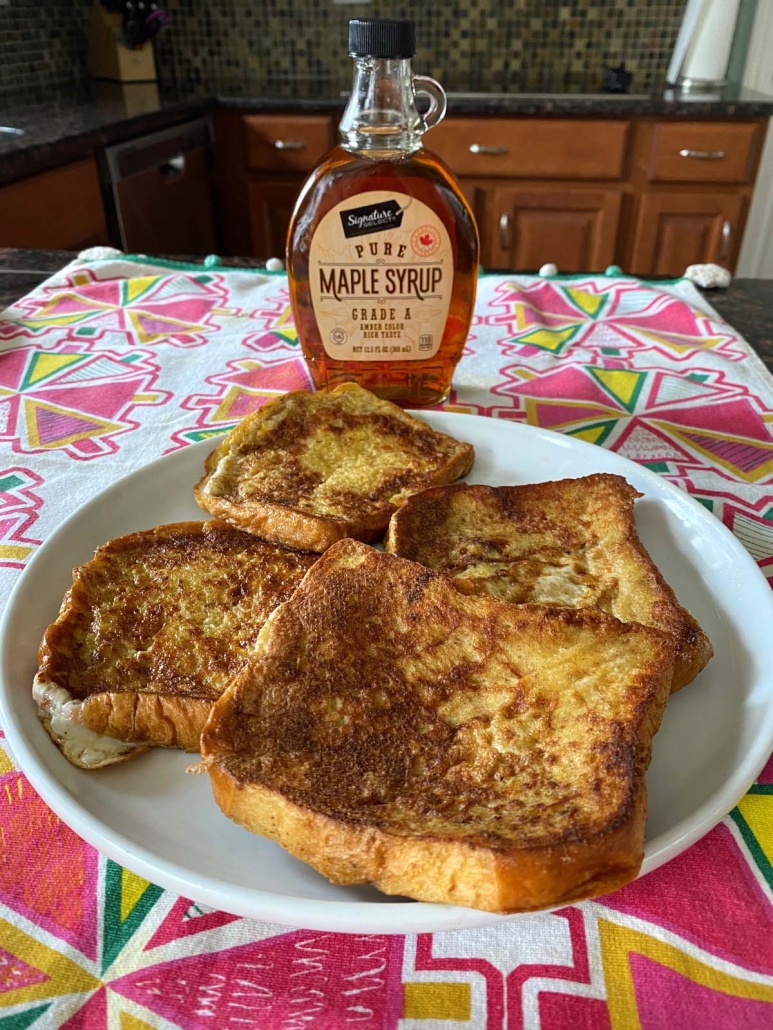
column 19, row 159
column 533, row 105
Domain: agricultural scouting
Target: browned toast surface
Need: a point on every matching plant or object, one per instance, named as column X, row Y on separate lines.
column 390, row 730
column 156, row 624
column 312, row 468
column 572, row 542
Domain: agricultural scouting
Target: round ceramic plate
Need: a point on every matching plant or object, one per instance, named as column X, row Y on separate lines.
column 152, row 818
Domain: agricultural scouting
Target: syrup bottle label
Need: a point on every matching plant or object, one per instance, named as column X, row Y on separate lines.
column 381, row 274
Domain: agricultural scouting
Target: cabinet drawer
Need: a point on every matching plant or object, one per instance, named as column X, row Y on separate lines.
column 532, row 147
column 703, row 152
column 277, row 142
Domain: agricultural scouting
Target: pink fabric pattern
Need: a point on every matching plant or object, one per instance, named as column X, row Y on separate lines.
column 112, row 363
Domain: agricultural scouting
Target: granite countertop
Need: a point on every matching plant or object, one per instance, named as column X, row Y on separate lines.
column 747, row 304
column 73, row 125
column 732, row 101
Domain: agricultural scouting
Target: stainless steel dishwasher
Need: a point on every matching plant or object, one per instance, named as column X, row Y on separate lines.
column 161, row 191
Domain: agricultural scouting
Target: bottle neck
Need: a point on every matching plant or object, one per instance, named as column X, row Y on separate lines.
column 381, row 115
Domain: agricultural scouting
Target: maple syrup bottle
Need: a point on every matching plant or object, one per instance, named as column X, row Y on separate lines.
column 382, row 250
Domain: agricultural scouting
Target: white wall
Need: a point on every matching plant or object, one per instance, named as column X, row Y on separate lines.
column 756, row 257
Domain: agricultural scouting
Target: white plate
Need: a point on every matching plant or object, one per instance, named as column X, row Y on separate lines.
column 150, row 817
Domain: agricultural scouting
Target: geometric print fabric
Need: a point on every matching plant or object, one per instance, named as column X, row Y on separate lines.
column 110, row 364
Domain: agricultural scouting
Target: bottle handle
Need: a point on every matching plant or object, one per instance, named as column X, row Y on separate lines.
column 437, row 99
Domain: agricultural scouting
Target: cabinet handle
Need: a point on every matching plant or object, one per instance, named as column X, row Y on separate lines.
column 290, row 144
column 703, row 155
column 504, row 230
column 727, row 231
column 480, row 148
column 173, row 169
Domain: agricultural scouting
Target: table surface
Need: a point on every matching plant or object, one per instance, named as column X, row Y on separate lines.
column 85, row 400
column 747, row 304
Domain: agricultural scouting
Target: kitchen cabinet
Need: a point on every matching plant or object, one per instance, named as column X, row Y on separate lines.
column 57, row 210
column 677, row 228
column 527, row 148
column 261, row 162
column 276, row 143
column 691, row 183
column 526, row 226
column 707, row 152
column 649, row 194
column 271, row 203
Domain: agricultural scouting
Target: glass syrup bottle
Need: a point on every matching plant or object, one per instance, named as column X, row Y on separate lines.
column 382, row 249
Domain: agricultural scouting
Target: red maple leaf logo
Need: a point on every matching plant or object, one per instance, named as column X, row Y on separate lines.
column 426, row 240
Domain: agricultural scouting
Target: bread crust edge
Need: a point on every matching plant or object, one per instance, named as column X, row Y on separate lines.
column 290, row 527
column 442, row 871
column 157, row 720
column 145, row 718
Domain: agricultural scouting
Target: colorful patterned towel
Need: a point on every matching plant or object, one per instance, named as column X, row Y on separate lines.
column 114, row 362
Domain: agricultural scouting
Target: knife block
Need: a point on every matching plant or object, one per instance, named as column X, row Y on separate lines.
column 109, row 58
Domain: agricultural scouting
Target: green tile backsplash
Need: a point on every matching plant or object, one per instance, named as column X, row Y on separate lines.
column 299, row 46
column 470, row 46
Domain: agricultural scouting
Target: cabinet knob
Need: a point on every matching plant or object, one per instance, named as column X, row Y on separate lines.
column 703, row 155
column 504, row 230
column 290, row 144
column 480, row 148
column 727, row 232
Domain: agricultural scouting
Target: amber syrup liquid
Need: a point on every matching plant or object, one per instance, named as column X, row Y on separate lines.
column 342, row 176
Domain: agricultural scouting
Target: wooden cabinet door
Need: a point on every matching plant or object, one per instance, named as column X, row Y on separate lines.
column 524, row 227
column 271, row 203
column 674, row 230
column 57, row 210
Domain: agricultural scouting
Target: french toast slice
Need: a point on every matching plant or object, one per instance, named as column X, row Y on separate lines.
column 571, row 542
column 312, row 468
column 149, row 634
column 390, row 730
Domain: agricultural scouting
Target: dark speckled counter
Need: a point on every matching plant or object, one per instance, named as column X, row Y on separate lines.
column 67, row 128
column 70, row 126
column 747, row 305
column 22, row 270
column 731, row 102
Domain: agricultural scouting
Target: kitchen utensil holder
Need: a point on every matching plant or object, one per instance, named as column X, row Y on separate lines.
column 109, row 58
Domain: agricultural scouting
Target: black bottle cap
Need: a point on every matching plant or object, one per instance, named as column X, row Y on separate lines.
column 381, row 37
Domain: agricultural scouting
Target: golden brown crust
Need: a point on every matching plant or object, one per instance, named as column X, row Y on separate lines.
column 434, row 870
column 389, row 729
column 287, row 527
column 309, row 469
column 155, row 719
column 158, row 622
column 568, row 542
